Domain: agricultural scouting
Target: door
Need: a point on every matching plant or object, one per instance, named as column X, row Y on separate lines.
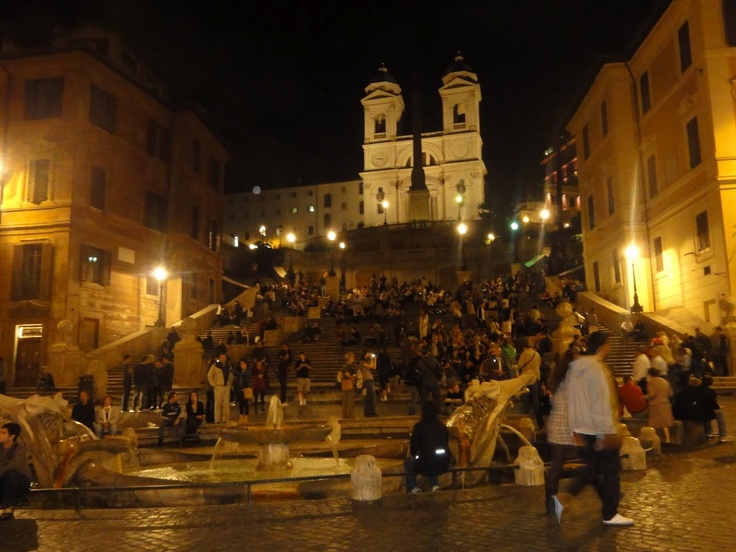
column 28, row 362
column 89, row 336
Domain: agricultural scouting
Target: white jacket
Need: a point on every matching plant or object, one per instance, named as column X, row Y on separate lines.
column 589, row 405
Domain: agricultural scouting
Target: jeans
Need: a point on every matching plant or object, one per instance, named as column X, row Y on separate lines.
column 369, row 403
column 720, row 420
column 411, row 476
column 601, row 469
column 13, row 485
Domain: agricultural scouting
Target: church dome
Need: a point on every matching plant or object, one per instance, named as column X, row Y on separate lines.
column 458, row 65
column 382, row 75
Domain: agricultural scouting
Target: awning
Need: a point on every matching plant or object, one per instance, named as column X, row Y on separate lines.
column 531, row 262
column 234, row 282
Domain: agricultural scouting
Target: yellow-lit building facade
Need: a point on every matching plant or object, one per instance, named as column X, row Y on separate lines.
column 656, row 148
column 102, row 181
column 561, row 176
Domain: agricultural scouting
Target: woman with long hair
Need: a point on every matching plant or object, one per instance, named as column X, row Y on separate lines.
column 243, row 393
column 559, row 434
column 195, row 415
column 347, row 385
column 258, row 383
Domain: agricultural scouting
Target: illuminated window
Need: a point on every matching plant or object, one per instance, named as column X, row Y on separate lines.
column 95, row 265
column 311, row 209
column 295, row 210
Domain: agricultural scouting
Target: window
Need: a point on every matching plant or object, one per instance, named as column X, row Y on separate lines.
column 38, row 180
column 360, row 189
column 729, row 20
column 194, row 228
column 95, row 265
column 616, row 267
column 213, row 236
column 596, row 277
column 344, row 189
column 102, row 109
column 703, row 229
column 152, row 285
column 309, row 193
column 604, row 119
column 197, row 157
column 31, row 271
column 693, row 142
column 293, row 194
column 158, row 141
column 156, row 212
column 310, row 231
column 380, row 124
column 458, row 115
column 327, row 200
column 683, row 40
column 211, row 290
column 44, row 98
column 97, row 188
column 311, row 209
column 190, row 280
column 214, row 176
column 646, row 98
column 295, row 210
column 327, row 220
column 609, row 194
column 652, row 175
column 344, row 206
column 658, row 259
column 591, row 213
column 586, row 142
column 361, row 208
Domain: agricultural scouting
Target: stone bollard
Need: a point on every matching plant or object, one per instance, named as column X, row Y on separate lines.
column 365, row 479
column 526, row 428
column 649, row 439
column 530, row 469
column 636, row 457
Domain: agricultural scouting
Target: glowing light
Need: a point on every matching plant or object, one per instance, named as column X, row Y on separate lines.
column 525, row 219
column 514, row 226
column 331, row 235
column 291, row 237
column 491, row 237
column 252, row 246
column 385, row 204
column 458, row 198
column 462, row 228
column 160, row 273
column 342, row 245
column 632, row 252
column 544, row 213
column 262, row 230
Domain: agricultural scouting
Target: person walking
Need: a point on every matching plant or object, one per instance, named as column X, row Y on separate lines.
column 346, row 376
column 220, row 377
column 659, row 393
column 367, row 367
column 592, row 413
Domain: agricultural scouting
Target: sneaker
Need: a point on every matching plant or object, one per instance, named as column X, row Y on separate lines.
column 711, row 435
column 618, row 520
column 435, row 488
column 726, row 438
column 558, row 508
column 416, row 490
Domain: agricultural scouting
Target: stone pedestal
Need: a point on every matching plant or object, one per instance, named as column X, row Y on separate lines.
column 365, row 479
column 530, row 471
column 65, row 364
column 649, row 439
column 633, row 455
column 333, row 287
column 315, row 313
column 189, row 369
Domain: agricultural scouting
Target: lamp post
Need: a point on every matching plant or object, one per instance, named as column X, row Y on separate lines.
column 160, row 274
column 331, row 235
column 460, row 198
column 515, row 238
column 341, row 286
column 462, row 229
column 385, row 204
column 291, row 239
column 632, row 252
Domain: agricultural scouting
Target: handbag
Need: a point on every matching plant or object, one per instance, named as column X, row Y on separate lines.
column 247, row 393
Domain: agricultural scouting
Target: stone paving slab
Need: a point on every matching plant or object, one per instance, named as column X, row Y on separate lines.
column 684, row 501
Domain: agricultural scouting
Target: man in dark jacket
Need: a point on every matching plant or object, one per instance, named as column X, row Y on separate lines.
column 84, row 411
column 429, row 450
column 431, row 372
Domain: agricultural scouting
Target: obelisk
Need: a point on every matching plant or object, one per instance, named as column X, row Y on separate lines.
column 418, row 195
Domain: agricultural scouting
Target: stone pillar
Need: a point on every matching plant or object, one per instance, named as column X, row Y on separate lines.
column 648, row 438
column 365, row 479
column 530, row 471
column 64, row 357
column 633, row 455
column 188, row 367
column 333, row 287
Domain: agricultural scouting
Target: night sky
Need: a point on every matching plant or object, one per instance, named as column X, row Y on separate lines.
column 283, row 79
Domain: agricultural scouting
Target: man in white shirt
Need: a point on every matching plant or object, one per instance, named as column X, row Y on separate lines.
column 640, row 367
column 592, row 411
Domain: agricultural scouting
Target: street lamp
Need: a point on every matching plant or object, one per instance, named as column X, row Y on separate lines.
column 544, row 215
column 385, row 204
column 331, row 235
column 462, row 229
column 291, row 239
column 490, row 238
column 632, row 253
column 160, row 274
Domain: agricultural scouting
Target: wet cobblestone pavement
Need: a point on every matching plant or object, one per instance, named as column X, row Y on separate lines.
column 684, row 501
